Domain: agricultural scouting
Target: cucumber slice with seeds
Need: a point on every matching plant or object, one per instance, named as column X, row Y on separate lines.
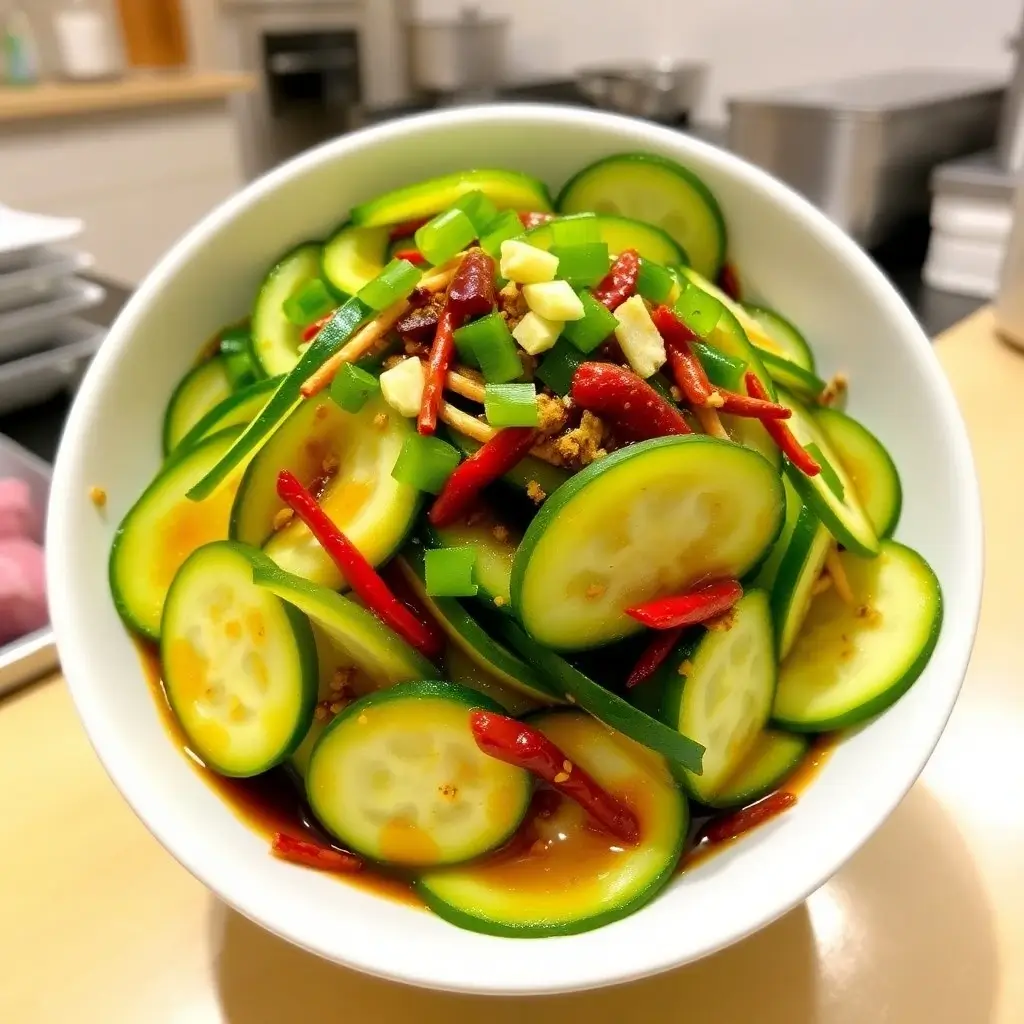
column 356, row 451
column 237, row 410
column 559, row 875
column 620, row 234
column 779, row 337
column 506, row 189
column 398, row 777
column 798, row 573
column 875, row 477
column 839, row 509
column 656, row 190
column 772, row 759
column 354, row 256
column 718, row 687
column 852, row 661
column 202, row 389
column 648, row 520
column 164, row 527
column 275, row 339
column 239, row 664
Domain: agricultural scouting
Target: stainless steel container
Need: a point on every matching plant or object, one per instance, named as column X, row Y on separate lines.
column 862, row 148
column 461, row 58
column 32, row 656
column 1009, row 306
column 663, row 91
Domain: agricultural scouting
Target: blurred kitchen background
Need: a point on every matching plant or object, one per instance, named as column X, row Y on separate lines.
column 131, row 119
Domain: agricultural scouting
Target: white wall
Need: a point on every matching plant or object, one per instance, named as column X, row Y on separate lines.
column 754, row 44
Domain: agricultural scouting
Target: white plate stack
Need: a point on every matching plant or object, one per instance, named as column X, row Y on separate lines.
column 44, row 345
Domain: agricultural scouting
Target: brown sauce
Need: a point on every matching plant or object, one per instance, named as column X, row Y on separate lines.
column 273, row 802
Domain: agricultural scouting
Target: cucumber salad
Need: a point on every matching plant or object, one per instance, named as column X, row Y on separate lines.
column 523, row 544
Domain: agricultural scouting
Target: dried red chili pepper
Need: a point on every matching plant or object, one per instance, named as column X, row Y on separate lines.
column 491, row 460
column 781, row 434
column 620, row 281
column 752, row 408
column 471, row 293
column 361, row 576
column 313, row 855
column 733, row 825
column 410, row 255
column 698, row 605
column 687, row 369
column 654, row 654
column 406, row 229
column 530, row 219
column 442, row 352
column 418, row 324
column 638, row 411
column 729, row 282
column 514, row 743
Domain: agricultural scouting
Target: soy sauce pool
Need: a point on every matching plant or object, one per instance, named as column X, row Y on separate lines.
column 273, row 802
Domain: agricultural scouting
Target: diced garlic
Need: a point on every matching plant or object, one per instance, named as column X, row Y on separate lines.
column 402, row 386
column 536, row 334
column 641, row 344
column 526, row 264
column 554, row 300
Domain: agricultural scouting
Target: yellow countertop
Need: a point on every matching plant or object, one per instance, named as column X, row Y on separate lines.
column 67, row 99
column 98, row 924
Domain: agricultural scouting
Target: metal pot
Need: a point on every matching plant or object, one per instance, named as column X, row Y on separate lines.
column 662, row 91
column 464, row 57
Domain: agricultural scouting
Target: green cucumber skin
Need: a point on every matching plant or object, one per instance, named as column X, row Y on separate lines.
column 126, row 614
column 673, row 253
column 770, row 784
column 167, row 440
column 888, row 697
column 768, row 318
column 210, row 423
column 434, row 538
column 840, row 421
column 794, row 378
column 422, row 199
column 554, row 504
column 691, row 179
column 345, row 322
column 482, row 926
column 305, row 643
column 605, row 705
column 793, row 565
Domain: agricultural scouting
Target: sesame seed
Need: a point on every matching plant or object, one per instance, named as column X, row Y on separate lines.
column 500, row 601
column 320, row 713
column 570, row 698
column 567, row 767
column 98, row 496
column 562, row 777
column 362, row 719
column 380, row 421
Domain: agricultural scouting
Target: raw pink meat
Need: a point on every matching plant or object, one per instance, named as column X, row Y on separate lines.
column 22, row 588
column 16, row 514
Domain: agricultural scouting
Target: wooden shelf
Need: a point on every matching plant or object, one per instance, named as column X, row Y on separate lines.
column 66, row 99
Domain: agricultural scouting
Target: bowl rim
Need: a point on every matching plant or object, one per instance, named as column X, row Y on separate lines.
column 64, row 499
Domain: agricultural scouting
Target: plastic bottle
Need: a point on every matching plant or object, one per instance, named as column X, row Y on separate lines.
column 20, row 53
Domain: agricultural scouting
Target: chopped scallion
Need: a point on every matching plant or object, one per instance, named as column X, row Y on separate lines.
column 488, row 343
column 445, row 235
column 396, row 281
column 582, row 265
column 352, row 386
column 698, row 310
column 654, row 282
column 425, row 463
column 309, row 303
column 576, row 229
column 558, row 366
column 478, row 208
column 507, row 225
column 511, row 405
column 597, row 325
column 449, row 572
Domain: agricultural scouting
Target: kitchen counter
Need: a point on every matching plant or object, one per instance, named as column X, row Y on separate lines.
column 74, row 99
column 924, row 926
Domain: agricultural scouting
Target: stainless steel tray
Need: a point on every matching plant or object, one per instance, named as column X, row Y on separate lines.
column 40, row 279
column 33, row 655
column 27, row 328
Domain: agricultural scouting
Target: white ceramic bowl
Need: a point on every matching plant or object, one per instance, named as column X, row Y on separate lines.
column 790, row 256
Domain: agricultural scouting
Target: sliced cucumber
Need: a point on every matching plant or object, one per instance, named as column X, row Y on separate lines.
column 239, row 664
column 802, row 383
column 163, row 528
column 798, row 573
column 769, row 568
column 603, row 704
column 275, row 339
column 461, row 668
column 495, row 544
column 646, row 521
column 840, row 510
column 506, row 189
column 875, row 477
column 659, row 191
column 779, row 337
column 398, row 777
column 620, row 234
column 852, row 661
column 549, row 477
column 288, row 395
column 466, row 632
column 361, row 497
column 772, row 759
column 354, row 256
column 200, row 390
column 237, row 410
column 718, row 687
column 560, row 876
